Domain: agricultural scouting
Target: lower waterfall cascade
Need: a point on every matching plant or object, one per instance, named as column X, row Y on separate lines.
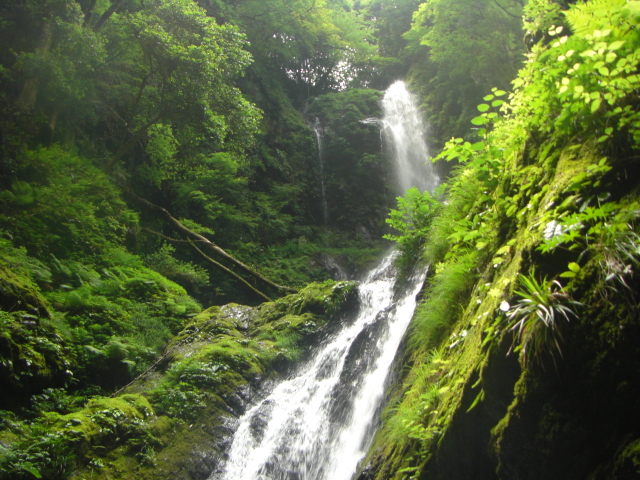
column 319, row 423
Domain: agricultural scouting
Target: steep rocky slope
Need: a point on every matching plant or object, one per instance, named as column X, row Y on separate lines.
column 522, row 361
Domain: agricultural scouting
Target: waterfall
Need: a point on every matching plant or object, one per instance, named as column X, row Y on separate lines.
column 319, row 131
column 403, row 131
column 318, row 424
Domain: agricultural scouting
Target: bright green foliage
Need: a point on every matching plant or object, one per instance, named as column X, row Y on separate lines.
column 317, row 45
column 389, row 22
column 539, row 16
column 68, row 208
column 184, row 62
column 181, row 272
column 445, row 297
column 586, row 76
column 111, row 315
column 298, row 260
column 607, row 232
column 535, row 193
column 219, row 350
column 52, row 446
column 33, row 355
column 412, row 220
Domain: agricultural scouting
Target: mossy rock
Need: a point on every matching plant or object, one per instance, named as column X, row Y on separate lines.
column 17, row 292
column 62, row 443
column 33, row 356
column 215, row 365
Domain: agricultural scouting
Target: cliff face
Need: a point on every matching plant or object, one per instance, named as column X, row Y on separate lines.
column 474, row 404
column 522, row 360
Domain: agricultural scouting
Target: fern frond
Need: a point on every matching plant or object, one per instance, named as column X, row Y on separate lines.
column 584, row 18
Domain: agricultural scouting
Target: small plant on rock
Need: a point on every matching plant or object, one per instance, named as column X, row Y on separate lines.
column 535, row 319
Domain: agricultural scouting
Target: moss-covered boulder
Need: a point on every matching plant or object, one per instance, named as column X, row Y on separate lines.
column 18, row 292
column 208, row 376
column 33, row 356
column 54, row 445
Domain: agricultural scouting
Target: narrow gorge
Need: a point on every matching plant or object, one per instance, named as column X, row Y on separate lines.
column 319, row 240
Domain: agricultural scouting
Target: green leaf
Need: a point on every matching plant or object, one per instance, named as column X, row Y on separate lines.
column 488, row 97
column 479, row 398
column 595, row 105
column 574, row 267
column 479, row 120
column 31, row 469
column 483, row 107
column 497, row 103
column 616, row 45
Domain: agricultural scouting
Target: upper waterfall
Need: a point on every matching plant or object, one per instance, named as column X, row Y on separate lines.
column 403, row 131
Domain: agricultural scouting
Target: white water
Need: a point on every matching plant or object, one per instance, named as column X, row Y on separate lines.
column 318, row 424
column 403, row 130
column 319, row 131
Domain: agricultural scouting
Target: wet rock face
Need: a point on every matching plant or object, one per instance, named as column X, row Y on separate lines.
column 207, row 460
column 260, row 420
column 581, row 419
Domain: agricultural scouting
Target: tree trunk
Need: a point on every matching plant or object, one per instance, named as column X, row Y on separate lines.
column 107, row 14
column 29, row 91
column 88, row 13
column 206, row 243
column 232, row 273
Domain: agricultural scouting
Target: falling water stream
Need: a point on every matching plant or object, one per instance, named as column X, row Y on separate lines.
column 319, row 423
column 404, row 132
column 319, row 131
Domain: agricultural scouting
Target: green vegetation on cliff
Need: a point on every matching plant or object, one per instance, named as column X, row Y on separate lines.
column 548, row 191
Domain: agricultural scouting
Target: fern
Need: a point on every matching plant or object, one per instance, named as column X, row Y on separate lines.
column 586, row 17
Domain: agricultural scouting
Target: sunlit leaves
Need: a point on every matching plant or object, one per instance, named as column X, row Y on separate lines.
column 412, row 219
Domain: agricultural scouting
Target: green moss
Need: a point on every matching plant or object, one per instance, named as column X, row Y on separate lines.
column 19, row 292
column 33, row 356
column 221, row 350
column 56, row 443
